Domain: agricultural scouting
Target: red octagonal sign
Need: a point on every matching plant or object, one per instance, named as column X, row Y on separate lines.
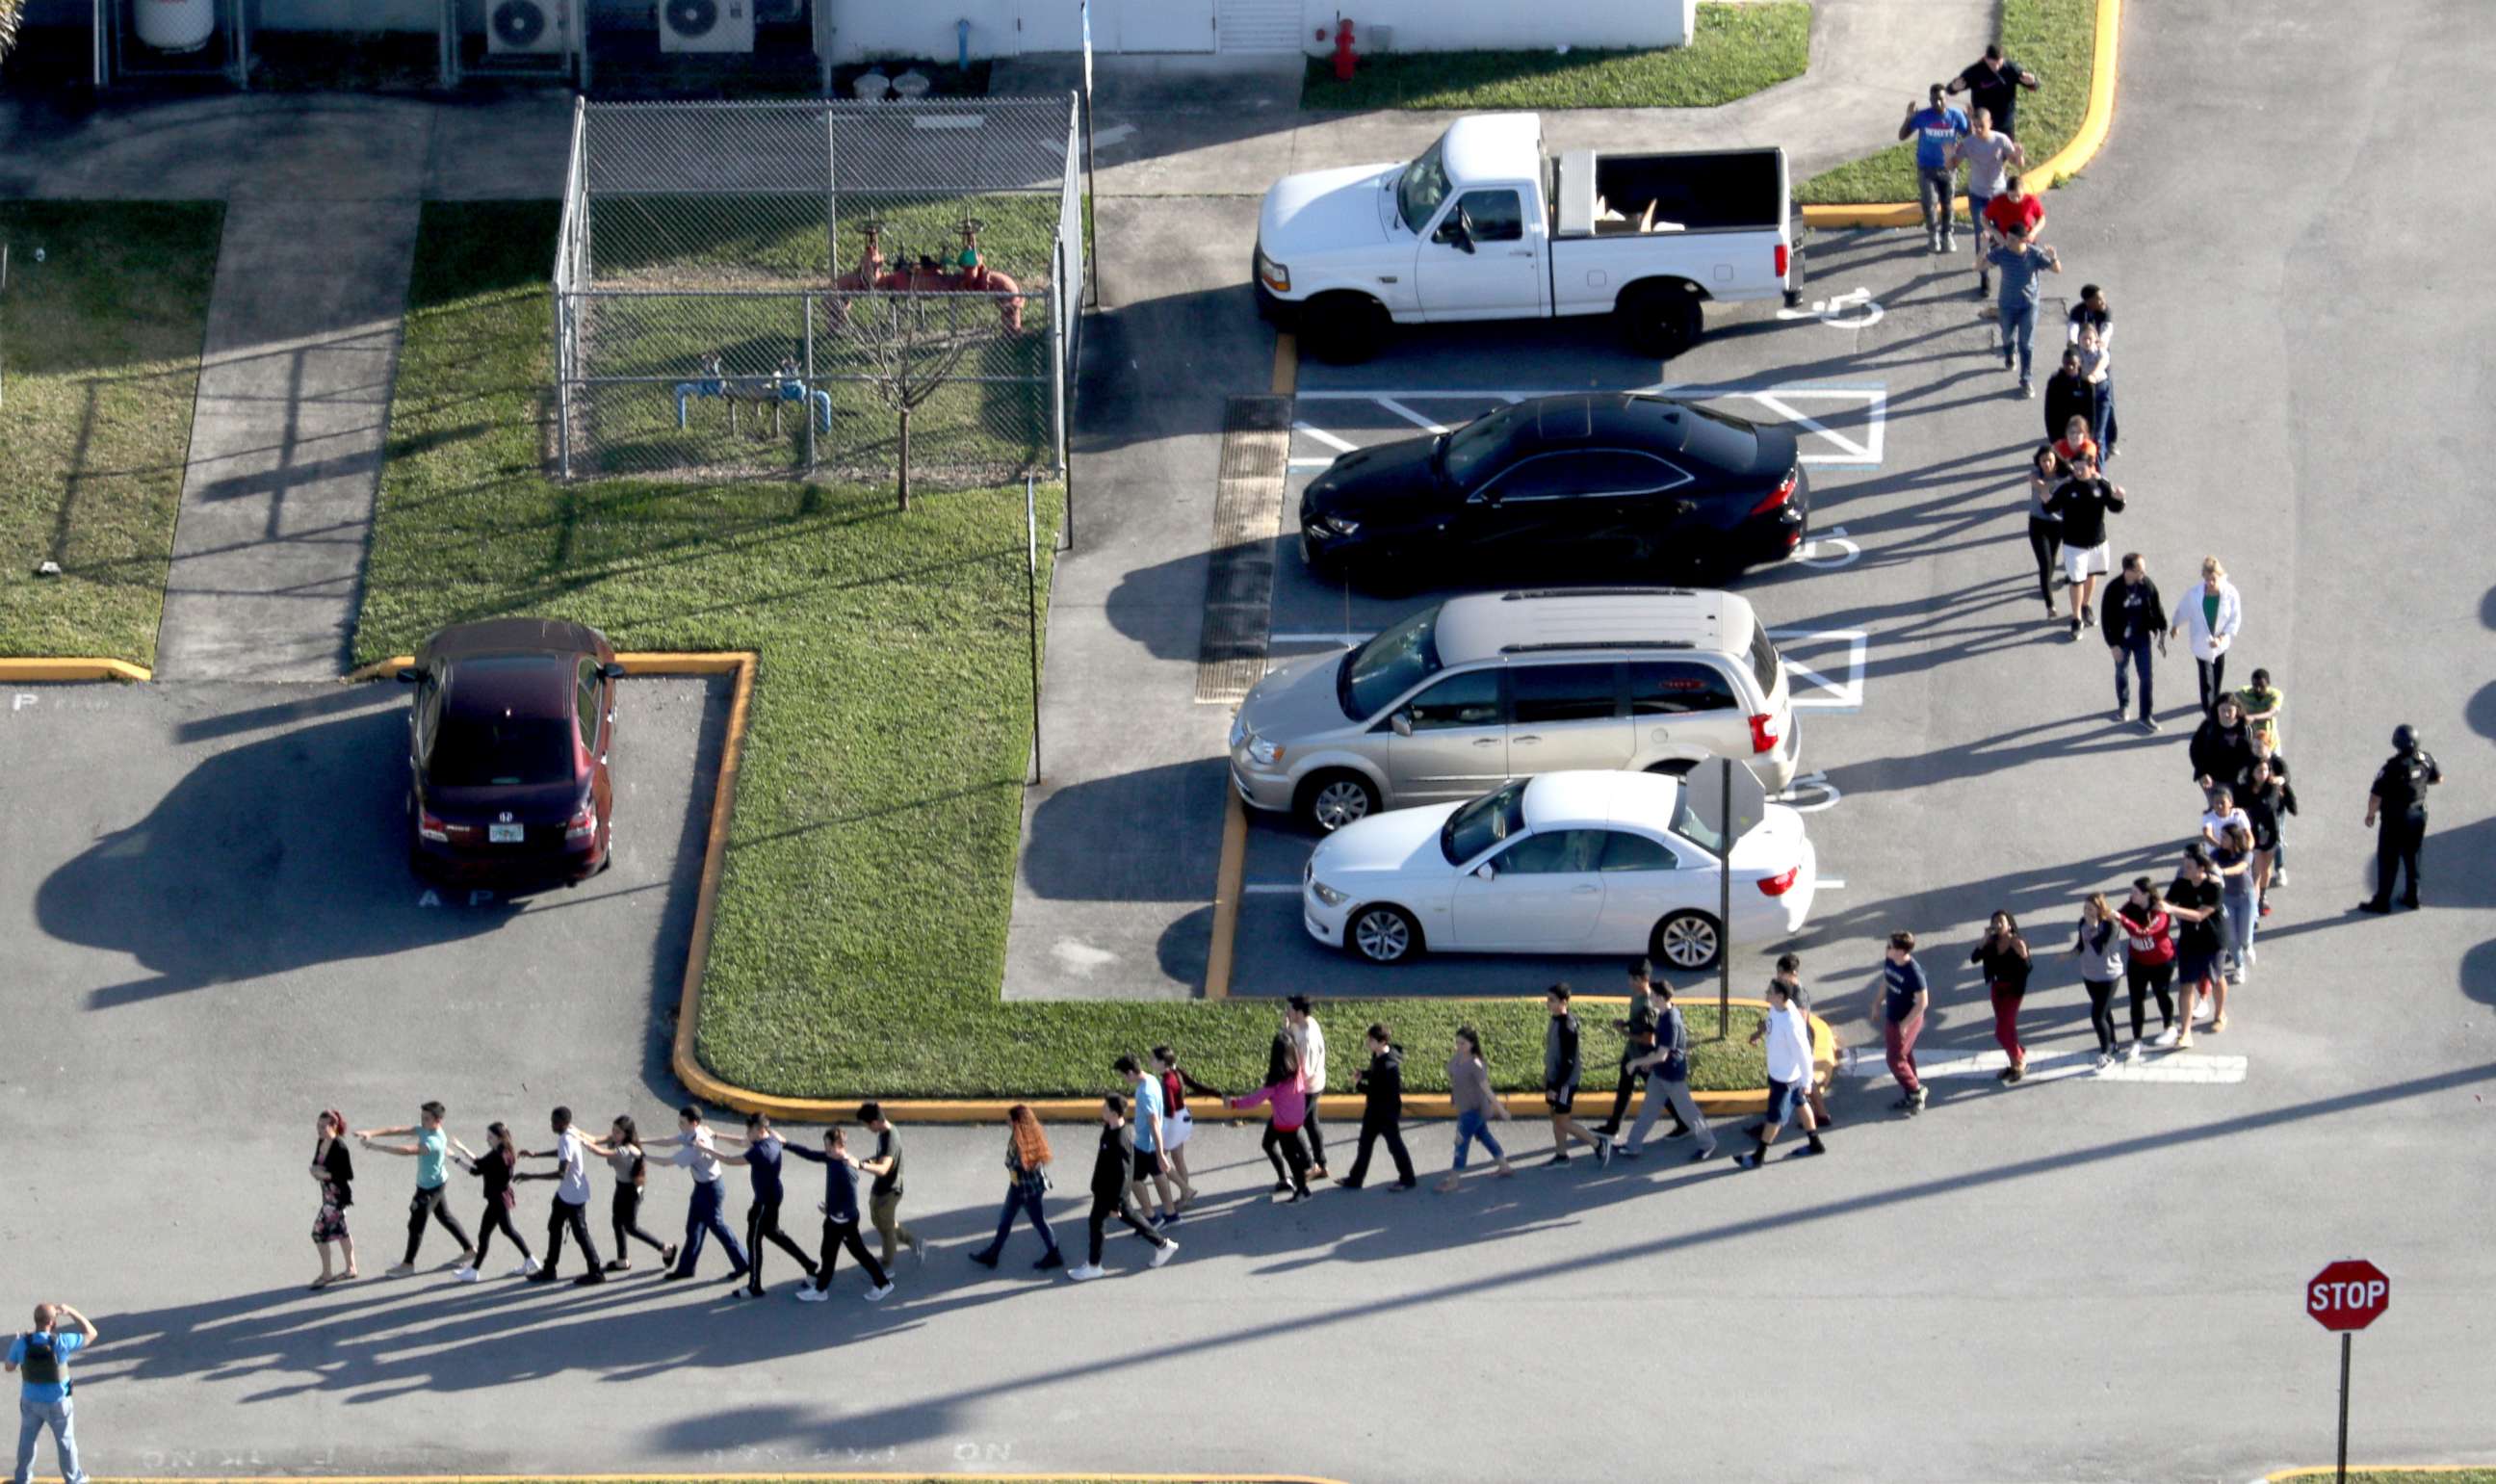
column 2348, row 1295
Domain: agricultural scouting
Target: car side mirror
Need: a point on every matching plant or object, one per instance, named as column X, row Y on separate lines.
column 1487, row 871
column 611, row 670
column 411, row 675
column 1402, row 723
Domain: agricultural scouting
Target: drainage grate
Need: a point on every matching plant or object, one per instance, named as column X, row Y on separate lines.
column 1239, row 577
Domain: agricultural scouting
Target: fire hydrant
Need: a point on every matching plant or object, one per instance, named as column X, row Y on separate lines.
column 1343, row 50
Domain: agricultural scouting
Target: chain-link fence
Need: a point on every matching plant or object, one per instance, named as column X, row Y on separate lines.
column 787, row 290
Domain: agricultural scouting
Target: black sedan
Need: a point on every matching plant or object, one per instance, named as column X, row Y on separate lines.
column 1611, row 481
column 506, row 749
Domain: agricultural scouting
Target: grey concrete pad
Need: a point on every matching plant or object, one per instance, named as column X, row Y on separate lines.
column 286, row 438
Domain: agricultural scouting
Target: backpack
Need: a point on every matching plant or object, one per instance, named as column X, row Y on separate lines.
column 42, row 1366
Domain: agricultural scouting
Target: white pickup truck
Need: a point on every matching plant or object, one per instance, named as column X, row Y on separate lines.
column 1486, row 226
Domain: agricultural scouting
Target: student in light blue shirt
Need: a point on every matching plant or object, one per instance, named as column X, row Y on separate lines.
column 1151, row 1171
column 1936, row 128
column 432, row 1153
column 39, row 1358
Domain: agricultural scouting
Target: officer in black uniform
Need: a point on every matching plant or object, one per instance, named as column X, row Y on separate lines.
column 2399, row 797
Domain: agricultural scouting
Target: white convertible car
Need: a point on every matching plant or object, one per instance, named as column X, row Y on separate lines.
column 1597, row 862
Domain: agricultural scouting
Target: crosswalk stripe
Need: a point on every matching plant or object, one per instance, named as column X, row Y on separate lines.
column 2155, row 1066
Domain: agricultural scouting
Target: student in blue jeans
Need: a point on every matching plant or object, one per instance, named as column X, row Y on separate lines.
column 1469, row 1087
column 1027, row 1160
column 39, row 1358
column 1936, row 128
column 2021, row 262
column 695, row 1152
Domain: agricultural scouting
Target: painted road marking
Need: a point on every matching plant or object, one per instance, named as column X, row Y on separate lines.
column 1834, row 312
column 1845, row 695
column 1806, row 785
column 1270, row 888
column 1829, row 550
column 1860, row 448
column 1341, row 638
column 2157, row 1066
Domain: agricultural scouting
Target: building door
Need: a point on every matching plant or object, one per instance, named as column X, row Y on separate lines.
column 1156, row 26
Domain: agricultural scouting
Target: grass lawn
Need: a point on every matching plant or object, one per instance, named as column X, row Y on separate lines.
column 2054, row 39
column 101, row 346
column 1737, row 50
column 861, row 924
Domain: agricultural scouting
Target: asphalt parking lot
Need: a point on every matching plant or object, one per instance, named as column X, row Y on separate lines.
column 201, row 875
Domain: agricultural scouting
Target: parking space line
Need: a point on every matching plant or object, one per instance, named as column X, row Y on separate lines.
column 1410, row 416
column 1341, row 638
column 1271, row 887
column 2161, row 1066
column 1327, row 438
column 1842, row 696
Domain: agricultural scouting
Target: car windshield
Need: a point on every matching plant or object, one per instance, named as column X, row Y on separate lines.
column 1687, row 824
column 504, row 726
column 1727, row 442
column 1389, row 665
column 1483, row 823
column 1421, row 189
column 1470, row 448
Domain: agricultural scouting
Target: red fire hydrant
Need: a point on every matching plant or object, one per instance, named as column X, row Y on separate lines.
column 1343, row 50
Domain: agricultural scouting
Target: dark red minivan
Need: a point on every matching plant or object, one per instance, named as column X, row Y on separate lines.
column 507, row 751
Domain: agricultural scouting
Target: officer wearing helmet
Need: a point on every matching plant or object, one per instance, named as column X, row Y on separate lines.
column 2400, row 797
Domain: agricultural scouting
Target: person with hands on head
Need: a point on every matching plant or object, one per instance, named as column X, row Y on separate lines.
column 1990, row 157
column 2021, row 259
column 1993, row 83
column 432, row 1153
column 334, row 1169
column 2082, row 503
column 2209, row 618
column 2045, row 473
column 40, row 1359
column 2091, row 317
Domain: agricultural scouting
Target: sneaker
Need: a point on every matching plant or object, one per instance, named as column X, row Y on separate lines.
column 2279, row 878
column 1053, row 1258
column 918, row 1248
column 2265, row 907
column 1555, row 1160
column 2089, row 617
column 1949, row 244
column 668, row 1258
column 1299, row 1194
column 2119, row 716
column 1747, row 1161
column 672, row 1275
column 2378, row 908
column 1921, row 1094
column 2075, row 628
column 620, row 1265
column 1680, row 1131
column 1347, row 1182
column 398, row 1270
column 1163, row 1254
column 1982, row 288
column 1603, row 1154
column 2165, row 1038
column 465, row 1275
column 2132, row 1053
column 1906, row 1103
column 1702, row 1155
column 1626, row 1154
column 1807, row 1151
column 1162, row 1220
column 594, row 1277
column 810, row 1294
column 2105, row 1059
column 1405, row 1184
column 1282, row 1187
column 1084, row 1273
column 880, row 1292
column 2149, row 723
column 2184, row 1042
column 2016, row 1074
column 528, row 1265
column 541, row 1277
column 2027, row 389
column 984, row 1259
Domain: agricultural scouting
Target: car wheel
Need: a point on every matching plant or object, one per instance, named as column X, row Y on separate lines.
column 1686, row 940
column 1676, row 766
column 1661, row 320
column 1343, row 328
column 1383, row 935
column 1331, row 801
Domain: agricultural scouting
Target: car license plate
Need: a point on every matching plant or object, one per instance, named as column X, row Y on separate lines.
column 504, row 835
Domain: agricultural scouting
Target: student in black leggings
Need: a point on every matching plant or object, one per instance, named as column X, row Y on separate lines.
column 622, row 1150
column 2045, row 527
column 496, row 1167
column 2100, row 948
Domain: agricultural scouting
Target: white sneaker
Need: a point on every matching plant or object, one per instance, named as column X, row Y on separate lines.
column 878, row 1294
column 808, row 1293
column 2205, row 1012
column 2166, row 1037
column 465, row 1275
column 2105, row 1059
column 1165, row 1252
column 2132, row 1053
column 527, row 1267
column 1083, row 1272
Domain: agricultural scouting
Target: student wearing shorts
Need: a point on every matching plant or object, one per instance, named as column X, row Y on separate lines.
column 1560, row 1079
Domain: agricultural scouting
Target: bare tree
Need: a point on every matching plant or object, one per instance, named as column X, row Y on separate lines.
column 908, row 346
column 9, row 16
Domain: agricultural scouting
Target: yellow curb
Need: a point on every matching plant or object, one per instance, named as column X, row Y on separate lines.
column 34, row 671
column 1226, row 875
column 2065, row 163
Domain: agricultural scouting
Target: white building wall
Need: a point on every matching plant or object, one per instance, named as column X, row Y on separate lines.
column 1526, row 25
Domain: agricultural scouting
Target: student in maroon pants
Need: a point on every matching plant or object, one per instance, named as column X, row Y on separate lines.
column 1904, row 995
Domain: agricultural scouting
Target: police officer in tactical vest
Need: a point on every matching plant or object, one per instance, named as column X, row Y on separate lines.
column 2399, row 797
column 40, row 1358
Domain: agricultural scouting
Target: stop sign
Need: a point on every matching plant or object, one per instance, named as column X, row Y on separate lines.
column 2348, row 1295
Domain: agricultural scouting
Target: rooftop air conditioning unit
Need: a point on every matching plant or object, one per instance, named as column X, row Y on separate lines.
column 706, row 25
column 528, row 27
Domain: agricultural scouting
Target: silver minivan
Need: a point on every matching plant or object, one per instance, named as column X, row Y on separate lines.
column 1479, row 689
